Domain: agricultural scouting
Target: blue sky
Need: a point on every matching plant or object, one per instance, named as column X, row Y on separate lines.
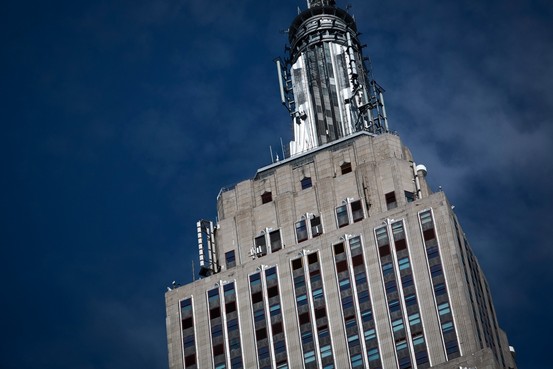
column 122, row 120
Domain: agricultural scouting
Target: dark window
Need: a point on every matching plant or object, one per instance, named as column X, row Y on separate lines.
column 272, row 292
column 190, row 360
column 312, row 258
column 391, row 286
column 256, row 297
column 301, row 231
column 261, row 245
column 274, row 237
column 391, row 202
column 394, row 305
column 357, row 211
column 357, row 260
column 410, row 299
column 277, row 328
column 306, row 183
column 266, row 197
column 440, row 289
column 230, row 259
column 316, row 228
column 187, row 323
column 296, row 264
column 345, row 168
column 214, row 313
column 409, row 196
column 436, row 270
column 407, row 280
column 338, row 248
column 230, row 307
column 261, row 334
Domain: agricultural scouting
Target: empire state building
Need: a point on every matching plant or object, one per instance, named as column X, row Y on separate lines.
column 339, row 255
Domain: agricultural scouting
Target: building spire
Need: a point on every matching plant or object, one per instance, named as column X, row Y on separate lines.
column 324, row 83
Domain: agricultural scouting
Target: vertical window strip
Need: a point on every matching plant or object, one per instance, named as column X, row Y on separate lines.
column 262, row 344
column 276, row 326
column 232, row 326
column 364, row 315
column 441, row 296
column 303, row 309
column 188, row 333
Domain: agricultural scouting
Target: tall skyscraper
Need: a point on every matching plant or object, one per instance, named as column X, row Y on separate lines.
column 338, row 256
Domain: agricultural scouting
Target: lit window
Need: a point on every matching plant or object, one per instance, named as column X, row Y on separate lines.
column 301, row 300
column 404, row 263
column 326, row 351
column 357, row 361
column 345, row 168
column 301, row 231
column 266, row 197
column 309, row 357
column 255, row 280
column 271, row 274
column 444, row 308
column 373, row 354
column 447, row 326
column 391, row 202
column 342, row 216
column 370, row 334
column 318, row 294
column 306, row 183
column 275, row 309
column 344, row 284
column 418, row 340
column 387, row 268
column 230, row 259
column 397, row 325
column 414, row 319
column 401, row 345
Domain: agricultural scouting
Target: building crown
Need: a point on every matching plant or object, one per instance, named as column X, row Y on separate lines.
column 324, row 81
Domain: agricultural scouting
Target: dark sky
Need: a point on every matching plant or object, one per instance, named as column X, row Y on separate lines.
column 121, row 120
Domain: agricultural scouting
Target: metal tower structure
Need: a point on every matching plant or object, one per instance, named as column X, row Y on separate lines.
column 324, row 82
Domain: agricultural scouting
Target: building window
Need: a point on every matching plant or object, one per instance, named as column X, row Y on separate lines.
column 357, row 211
column 391, row 202
column 260, row 245
column 345, row 168
column 349, row 213
column 230, row 259
column 276, row 243
column 342, row 216
column 414, row 319
column 310, row 226
column 306, row 183
column 266, row 197
column 444, row 308
column 316, row 227
column 409, row 196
